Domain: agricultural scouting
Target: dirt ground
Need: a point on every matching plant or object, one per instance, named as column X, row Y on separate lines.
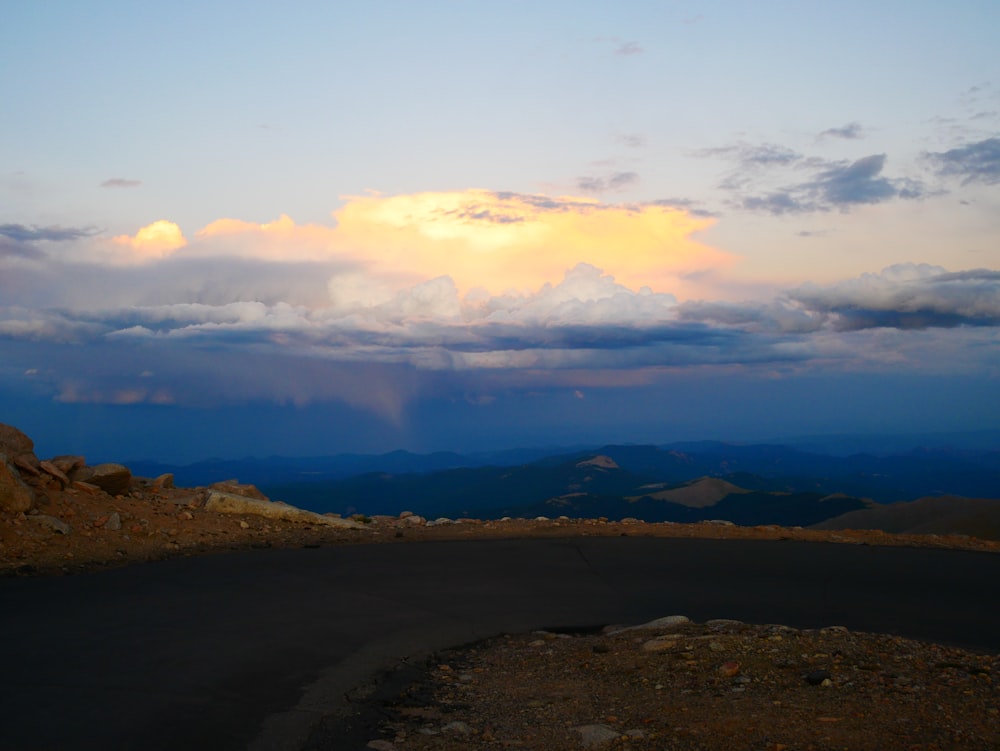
column 720, row 685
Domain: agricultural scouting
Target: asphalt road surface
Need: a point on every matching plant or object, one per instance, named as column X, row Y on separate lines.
column 250, row 650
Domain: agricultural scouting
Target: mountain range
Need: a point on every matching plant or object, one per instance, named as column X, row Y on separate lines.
column 681, row 482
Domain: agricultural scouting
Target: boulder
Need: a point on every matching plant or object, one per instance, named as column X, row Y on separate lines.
column 67, row 463
column 235, row 487
column 113, row 479
column 230, row 503
column 19, row 449
column 164, row 481
column 13, row 442
column 14, row 494
column 52, row 470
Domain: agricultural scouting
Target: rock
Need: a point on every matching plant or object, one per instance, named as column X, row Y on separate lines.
column 817, row 677
column 234, row 487
column 68, row 463
column 229, row 503
column 668, row 621
column 405, row 514
column 164, row 481
column 13, row 442
column 595, row 736
column 659, row 645
column 457, row 727
column 28, row 463
column 56, row 525
column 380, row 745
column 14, row 494
column 81, row 474
column 729, row 669
column 415, row 520
column 51, row 469
column 86, row 487
column 114, row 522
column 113, row 479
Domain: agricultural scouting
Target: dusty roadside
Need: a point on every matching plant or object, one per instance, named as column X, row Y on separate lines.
column 74, row 529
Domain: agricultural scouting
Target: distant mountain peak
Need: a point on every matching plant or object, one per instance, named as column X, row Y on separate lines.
column 600, row 461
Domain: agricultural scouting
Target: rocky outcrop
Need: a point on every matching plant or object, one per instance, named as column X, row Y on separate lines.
column 14, row 494
column 230, row 503
column 235, row 487
column 113, row 479
column 19, row 449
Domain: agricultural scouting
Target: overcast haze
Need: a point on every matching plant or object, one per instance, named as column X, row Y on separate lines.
column 232, row 228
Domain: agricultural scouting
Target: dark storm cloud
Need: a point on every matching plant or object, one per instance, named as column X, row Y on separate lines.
column 977, row 162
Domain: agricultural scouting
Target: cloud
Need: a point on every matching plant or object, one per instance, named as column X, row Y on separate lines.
column 629, row 48
column 977, row 162
column 380, row 347
column 851, row 132
column 830, row 185
column 612, row 183
column 478, row 238
column 22, row 242
column 837, row 185
column 632, row 140
column 24, row 234
column 121, row 182
column 500, row 241
column 153, row 241
column 908, row 296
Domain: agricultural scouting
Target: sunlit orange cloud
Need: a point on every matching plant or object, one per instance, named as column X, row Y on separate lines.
column 280, row 240
column 486, row 239
column 156, row 240
column 502, row 241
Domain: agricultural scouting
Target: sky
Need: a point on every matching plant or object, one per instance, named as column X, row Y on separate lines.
column 243, row 228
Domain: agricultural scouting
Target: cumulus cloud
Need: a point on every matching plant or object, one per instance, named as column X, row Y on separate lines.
column 908, row 296
column 977, row 162
column 478, row 238
column 156, row 240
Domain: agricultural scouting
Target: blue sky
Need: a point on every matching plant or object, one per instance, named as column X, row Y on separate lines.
column 231, row 228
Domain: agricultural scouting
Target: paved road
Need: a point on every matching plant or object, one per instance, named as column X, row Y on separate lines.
column 247, row 650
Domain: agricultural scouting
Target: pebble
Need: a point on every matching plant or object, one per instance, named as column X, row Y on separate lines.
column 817, row 677
column 56, row 525
column 595, row 736
column 659, row 645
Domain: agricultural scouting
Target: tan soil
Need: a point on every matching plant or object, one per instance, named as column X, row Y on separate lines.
column 528, row 691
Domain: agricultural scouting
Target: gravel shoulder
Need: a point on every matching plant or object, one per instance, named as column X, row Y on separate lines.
column 716, row 685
